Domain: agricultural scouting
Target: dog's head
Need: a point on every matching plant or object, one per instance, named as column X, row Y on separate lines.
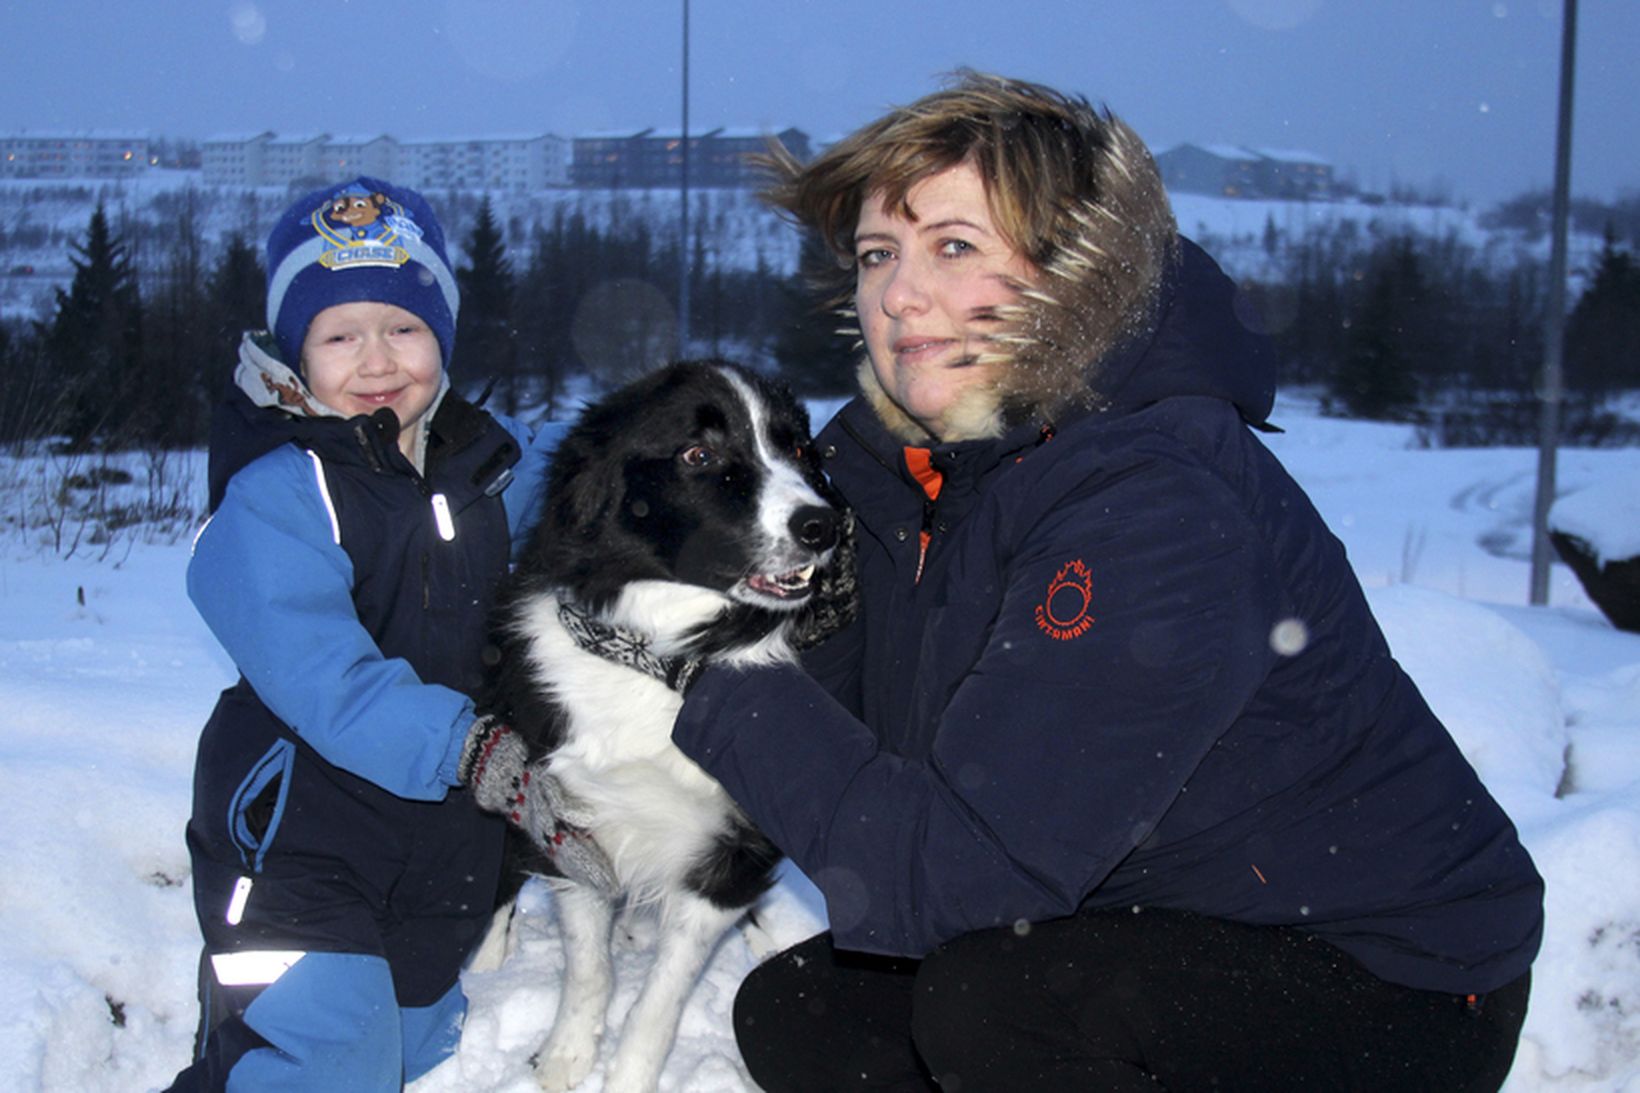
column 701, row 474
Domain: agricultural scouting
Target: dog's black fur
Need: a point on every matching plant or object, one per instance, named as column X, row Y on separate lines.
column 687, row 508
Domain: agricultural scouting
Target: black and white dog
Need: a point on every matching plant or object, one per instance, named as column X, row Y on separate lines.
column 685, row 523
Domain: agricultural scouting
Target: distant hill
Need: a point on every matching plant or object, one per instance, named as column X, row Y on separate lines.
column 41, row 221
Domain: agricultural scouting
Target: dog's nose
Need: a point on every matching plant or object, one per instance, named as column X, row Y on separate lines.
column 814, row 526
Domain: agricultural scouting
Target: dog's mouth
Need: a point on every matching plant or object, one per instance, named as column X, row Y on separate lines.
column 788, row 587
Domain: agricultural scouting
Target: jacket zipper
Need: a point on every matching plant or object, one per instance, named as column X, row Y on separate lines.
column 920, row 463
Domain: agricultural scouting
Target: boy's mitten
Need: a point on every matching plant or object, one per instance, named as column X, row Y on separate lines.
column 495, row 764
column 567, row 841
column 492, row 765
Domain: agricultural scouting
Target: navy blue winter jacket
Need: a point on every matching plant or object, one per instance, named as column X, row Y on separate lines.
column 367, row 644
column 352, row 591
column 1136, row 670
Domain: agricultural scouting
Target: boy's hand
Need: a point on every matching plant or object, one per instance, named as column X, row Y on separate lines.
column 492, row 764
column 495, row 764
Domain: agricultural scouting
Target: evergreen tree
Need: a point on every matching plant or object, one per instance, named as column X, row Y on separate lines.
column 486, row 342
column 234, row 301
column 1377, row 377
column 30, row 399
column 238, row 295
column 810, row 355
column 1504, row 328
column 172, row 407
column 1272, row 235
column 1311, row 293
column 545, row 304
column 1603, row 331
column 711, row 317
column 93, row 343
column 1309, row 346
column 620, row 317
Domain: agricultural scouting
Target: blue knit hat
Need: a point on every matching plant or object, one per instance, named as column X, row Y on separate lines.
column 363, row 240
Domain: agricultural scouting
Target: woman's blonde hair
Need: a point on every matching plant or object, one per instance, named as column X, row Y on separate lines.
column 1042, row 156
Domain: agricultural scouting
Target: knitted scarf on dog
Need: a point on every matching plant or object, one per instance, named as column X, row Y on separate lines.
column 621, row 646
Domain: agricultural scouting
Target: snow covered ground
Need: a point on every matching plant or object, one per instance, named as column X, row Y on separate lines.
column 106, row 676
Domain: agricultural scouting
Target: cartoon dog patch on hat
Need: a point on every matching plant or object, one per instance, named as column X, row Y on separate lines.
column 363, row 228
column 356, row 211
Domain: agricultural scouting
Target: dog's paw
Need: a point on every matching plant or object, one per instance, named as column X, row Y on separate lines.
column 561, row 1069
column 629, row 1075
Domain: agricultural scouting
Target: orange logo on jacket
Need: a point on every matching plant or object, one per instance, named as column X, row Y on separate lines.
column 1063, row 613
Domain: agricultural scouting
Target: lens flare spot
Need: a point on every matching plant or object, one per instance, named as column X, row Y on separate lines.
column 1289, row 637
column 1276, row 14
column 249, row 25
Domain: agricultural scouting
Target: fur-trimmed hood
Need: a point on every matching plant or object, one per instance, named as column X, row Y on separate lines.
column 1125, row 312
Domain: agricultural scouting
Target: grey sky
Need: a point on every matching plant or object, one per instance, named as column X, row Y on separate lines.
column 1459, row 93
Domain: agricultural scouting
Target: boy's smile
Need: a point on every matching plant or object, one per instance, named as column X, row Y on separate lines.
column 362, row 356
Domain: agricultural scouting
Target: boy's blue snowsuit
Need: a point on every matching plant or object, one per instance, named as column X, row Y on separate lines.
column 341, row 876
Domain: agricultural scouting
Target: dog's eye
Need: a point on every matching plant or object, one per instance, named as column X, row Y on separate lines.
column 697, row 455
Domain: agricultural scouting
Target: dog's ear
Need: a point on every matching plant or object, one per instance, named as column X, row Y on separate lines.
column 582, row 491
column 580, row 498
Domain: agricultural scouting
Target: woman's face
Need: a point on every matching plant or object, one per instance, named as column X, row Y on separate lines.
column 926, row 290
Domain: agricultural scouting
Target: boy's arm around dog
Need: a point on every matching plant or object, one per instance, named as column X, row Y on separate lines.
column 277, row 592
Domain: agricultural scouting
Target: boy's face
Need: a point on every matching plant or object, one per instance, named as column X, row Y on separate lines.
column 362, row 356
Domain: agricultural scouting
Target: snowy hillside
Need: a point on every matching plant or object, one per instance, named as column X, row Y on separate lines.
column 1234, row 231
column 40, row 222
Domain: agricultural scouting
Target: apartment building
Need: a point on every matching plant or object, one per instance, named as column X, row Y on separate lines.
column 74, row 154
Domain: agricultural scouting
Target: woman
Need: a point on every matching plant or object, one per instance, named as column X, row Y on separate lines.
column 1113, row 783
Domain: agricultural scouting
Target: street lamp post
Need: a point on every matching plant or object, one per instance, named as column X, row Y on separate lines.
column 1552, row 384
column 683, row 202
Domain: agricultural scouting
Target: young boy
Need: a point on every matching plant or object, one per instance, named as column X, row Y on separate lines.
column 362, row 512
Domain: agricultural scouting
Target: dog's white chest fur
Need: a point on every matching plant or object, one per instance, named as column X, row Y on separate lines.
column 652, row 806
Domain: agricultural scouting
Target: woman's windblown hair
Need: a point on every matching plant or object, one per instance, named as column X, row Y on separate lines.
column 1070, row 186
